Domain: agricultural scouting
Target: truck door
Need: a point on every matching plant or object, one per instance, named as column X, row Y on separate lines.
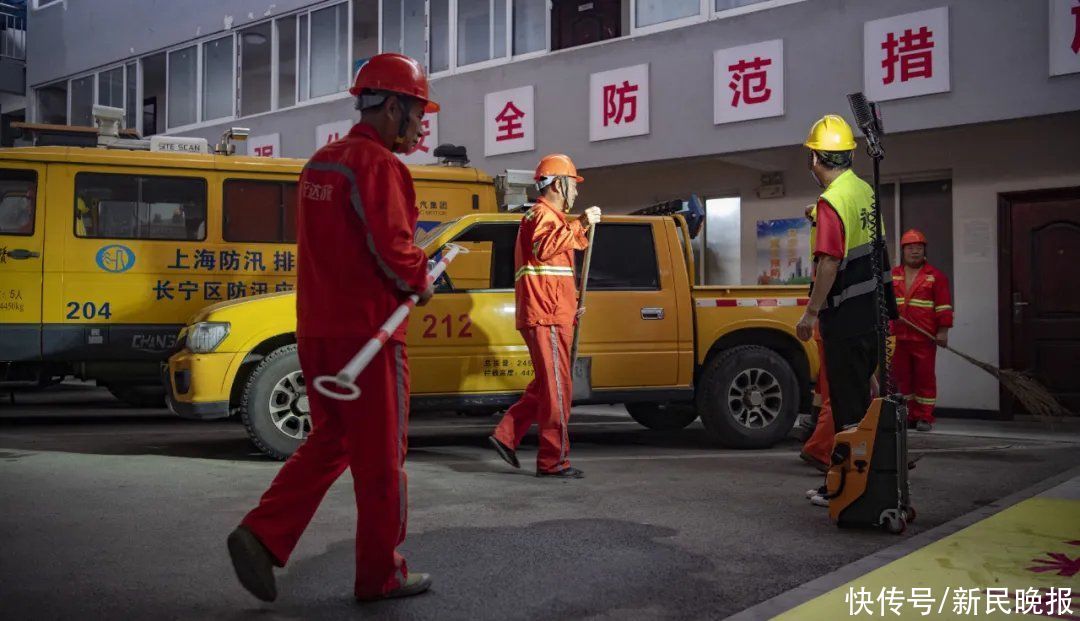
column 631, row 322
column 22, row 242
column 465, row 340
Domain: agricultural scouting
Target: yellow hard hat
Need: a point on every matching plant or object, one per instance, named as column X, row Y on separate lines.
column 830, row 133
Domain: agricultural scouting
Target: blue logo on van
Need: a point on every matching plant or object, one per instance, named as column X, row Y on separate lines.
column 115, row 258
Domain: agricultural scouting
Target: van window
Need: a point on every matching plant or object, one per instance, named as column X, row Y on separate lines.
column 259, row 211
column 489, row 264
column 624, row 259
column 140, row 207
column 17, row 190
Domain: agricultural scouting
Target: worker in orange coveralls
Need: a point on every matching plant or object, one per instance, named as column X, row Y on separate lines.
column 546, row 314
column 357, row 263
column 922, row 295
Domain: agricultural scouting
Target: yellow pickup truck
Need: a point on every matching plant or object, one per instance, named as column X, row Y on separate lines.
column 668, row 350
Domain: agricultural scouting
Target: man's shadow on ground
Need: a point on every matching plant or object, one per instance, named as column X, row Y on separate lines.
column 559, row 569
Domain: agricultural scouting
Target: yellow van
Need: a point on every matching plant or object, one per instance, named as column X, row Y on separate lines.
column 107, row 249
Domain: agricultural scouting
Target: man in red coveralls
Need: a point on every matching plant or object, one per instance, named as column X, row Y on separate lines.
column 546, row 313
column 357, row 263
column 922, row 295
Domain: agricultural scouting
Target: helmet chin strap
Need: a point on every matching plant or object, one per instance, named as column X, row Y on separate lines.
column 813, row 175
column 403, row 125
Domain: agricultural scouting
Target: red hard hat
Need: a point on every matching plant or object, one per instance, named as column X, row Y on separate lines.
column 557, row 165
column 913, row 236
column 395, row 73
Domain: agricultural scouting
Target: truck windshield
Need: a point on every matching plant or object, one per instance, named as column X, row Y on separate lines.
column 422, row 237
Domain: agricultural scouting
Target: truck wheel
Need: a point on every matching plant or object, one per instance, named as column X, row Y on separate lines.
column 663, row 416
column 274, row 408
column 139, row 395
column 748, row 397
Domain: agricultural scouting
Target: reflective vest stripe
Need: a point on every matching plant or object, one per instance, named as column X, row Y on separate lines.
column 921, row 303
column 854, row 291
column 543, row 270
column 942, row 308
column 857, row 253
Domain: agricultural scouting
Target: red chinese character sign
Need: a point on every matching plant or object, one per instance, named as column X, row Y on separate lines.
column 906, row 55
column 424, row 152
column 268, row 145
column 508, row 121
column 619, row 103
column 1064, row 37
column 331, row 132
column 748, row 82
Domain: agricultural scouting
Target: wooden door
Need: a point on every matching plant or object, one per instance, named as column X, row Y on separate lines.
column 1039, row 300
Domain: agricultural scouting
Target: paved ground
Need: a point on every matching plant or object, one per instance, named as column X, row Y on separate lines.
column 115, row 513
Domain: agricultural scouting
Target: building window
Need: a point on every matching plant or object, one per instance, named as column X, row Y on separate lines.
column 52, row 103
column 286, row 61
column 259, row 211
column 653, row 12
column 303, row 65
column 579, row 23
column 330, row 50
column 82, row 101
column 139, row 207
column 131, row 95
column 255, row 64
column 183, row 86
column 365, row 31
column 481, row 30
column 530, row 26
column 403, row 28
column 725, row 5
column 440, row 36
column 111, row 88
column 217, row 79
column 153, row 94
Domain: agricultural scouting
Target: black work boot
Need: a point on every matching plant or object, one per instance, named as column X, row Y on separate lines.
column 508, row 454
column 567, row 473
column 253, row 563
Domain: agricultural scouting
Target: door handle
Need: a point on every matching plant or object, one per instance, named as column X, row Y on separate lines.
column 22, row 253
column 652, row 313
column 1018, row 305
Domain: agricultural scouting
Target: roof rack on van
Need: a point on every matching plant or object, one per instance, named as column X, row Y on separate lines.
column 108, row 132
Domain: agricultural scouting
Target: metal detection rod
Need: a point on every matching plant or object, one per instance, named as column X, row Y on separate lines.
column 343, row 385
column 581, row 296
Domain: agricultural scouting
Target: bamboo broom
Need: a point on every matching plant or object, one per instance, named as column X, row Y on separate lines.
column 1035, row 398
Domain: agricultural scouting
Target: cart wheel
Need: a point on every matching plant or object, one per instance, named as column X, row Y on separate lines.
column 910, row 513
column 893, row 521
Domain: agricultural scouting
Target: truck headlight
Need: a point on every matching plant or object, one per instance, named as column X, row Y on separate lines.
column 205, row 336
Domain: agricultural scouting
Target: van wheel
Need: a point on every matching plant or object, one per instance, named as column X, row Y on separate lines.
column 663, row 416
column 274, row 408
column 748, row 397
column 139, row 395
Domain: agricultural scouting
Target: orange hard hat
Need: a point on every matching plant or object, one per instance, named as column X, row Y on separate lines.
column 556, row 165
column 913, row 236
column 395, row 73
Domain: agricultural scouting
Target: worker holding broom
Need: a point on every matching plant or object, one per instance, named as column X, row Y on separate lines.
column 357, row 263
column 922, row 295
column 547, row 310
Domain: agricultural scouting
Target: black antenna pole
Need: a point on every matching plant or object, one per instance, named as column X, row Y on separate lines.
column 868, row 119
